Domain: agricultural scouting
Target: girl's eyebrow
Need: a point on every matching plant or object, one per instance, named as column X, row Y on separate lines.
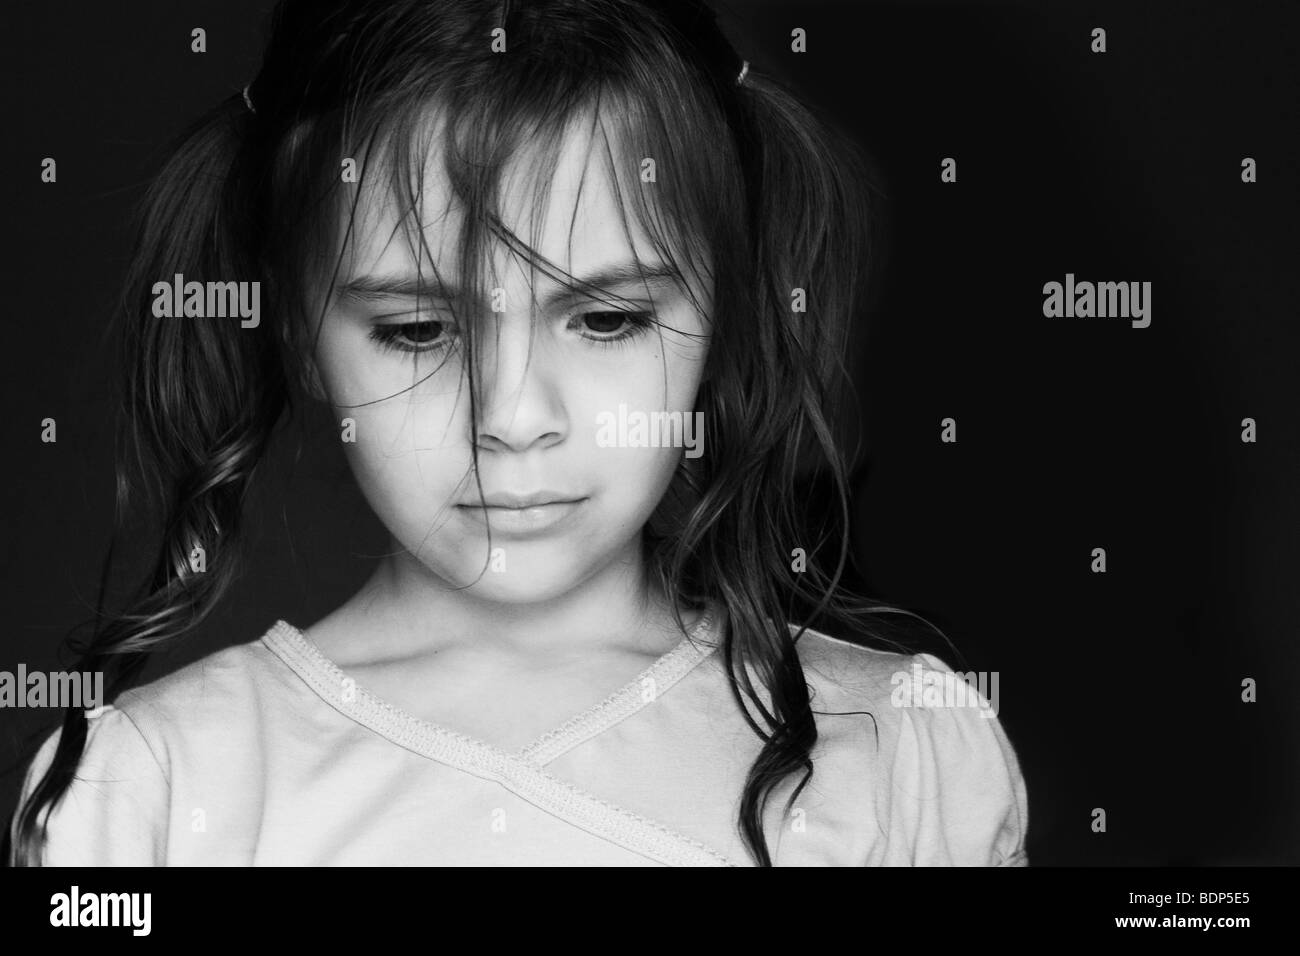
column 369, row 288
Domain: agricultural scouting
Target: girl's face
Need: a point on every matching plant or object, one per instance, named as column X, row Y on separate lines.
column 547, row 388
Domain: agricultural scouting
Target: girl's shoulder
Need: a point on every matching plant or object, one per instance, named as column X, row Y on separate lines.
column 211, row 692
column 931, row 740
column 855, row 673
column 116, row 809
column 219, row 696
column 897, row 687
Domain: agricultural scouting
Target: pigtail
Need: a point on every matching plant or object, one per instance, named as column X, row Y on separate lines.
column 809, row 212
column 201, row 397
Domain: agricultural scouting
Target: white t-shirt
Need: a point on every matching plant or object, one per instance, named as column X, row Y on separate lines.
column 266, row 753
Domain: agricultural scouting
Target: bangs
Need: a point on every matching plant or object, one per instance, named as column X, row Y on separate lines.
column 495, row 150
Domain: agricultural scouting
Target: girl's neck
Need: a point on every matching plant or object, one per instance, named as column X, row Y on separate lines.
column 405, row 612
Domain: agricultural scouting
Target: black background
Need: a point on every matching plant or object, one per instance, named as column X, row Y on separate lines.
column 1120, row 690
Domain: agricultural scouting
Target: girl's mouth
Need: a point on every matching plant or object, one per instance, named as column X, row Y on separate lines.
column 536, row 514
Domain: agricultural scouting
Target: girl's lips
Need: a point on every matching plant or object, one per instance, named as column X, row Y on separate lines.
column 510, row 499
column 534, row 519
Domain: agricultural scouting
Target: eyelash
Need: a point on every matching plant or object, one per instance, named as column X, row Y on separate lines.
column 388, row 337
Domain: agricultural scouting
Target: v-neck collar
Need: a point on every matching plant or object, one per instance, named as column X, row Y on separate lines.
column 330, row 681
column 524, row 771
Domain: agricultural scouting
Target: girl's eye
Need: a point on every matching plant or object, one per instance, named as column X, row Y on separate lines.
column 604, row 327
column 612, row 326
column 424, row 336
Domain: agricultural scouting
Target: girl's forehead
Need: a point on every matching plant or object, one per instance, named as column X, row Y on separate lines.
column 564, row 203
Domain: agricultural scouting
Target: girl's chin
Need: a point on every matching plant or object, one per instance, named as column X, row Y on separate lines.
column 518, row 572
column 500, row 588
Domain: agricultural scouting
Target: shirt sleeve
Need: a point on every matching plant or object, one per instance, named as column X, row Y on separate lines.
column 115, row 811
column 958, row 793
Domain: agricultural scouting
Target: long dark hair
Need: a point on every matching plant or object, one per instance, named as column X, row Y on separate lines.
column 775, row 195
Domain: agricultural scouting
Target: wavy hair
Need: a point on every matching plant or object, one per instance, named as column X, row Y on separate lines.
column 758, row 195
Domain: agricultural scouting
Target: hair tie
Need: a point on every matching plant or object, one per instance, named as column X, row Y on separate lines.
column 247, row 100
column 744, row 69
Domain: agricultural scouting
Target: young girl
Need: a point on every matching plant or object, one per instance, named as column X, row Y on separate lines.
column 574, row 283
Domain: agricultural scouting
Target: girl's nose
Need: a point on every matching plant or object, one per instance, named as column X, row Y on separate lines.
column 519, row 401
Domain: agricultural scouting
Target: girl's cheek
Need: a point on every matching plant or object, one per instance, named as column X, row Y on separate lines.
column 409, row 485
